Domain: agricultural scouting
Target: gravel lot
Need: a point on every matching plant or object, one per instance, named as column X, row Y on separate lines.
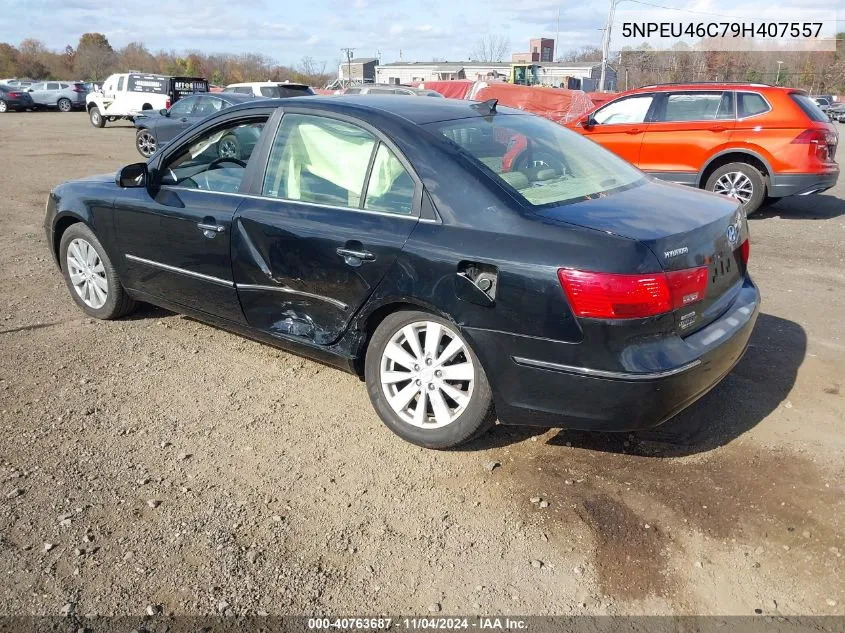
column 160, row 462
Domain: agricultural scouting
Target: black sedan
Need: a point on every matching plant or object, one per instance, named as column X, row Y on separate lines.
column 393, row 238
column 156, row 129
column 13, row 98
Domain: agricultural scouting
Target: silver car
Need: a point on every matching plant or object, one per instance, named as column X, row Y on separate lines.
column 64, row 95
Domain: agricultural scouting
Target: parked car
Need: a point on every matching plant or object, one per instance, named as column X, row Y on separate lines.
column 749, row 141
column 126, row 94
column 390, row 89
column 156, row 129
column 14, row 99
column 59, row 94
column 383, row 236
column 18, row 83
column 823, row 102
column 271, row 89
column 837, row 112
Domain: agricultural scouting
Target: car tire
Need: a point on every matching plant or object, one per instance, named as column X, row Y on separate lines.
column 229, row 147
column 741, row 180
column 64, row 105
column 90, row 275
column 455, row 410
column 3, row 107
column 96, row 117
column 145, row 142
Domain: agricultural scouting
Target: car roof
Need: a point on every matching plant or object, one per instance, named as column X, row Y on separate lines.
column 267, row 83
column 231, row 97
column 693, row 86
column 418, row 111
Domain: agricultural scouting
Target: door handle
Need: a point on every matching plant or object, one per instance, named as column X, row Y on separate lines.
column 635, row 130
column 210, row 230
column 718, row 128
column 355, row 257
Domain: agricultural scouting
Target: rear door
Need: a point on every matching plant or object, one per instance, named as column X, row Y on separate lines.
column 621, row 125
column 687, row 127
column 337, row 202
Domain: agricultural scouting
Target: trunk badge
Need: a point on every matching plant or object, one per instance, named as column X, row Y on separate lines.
column 733, row 235
column 675, row 252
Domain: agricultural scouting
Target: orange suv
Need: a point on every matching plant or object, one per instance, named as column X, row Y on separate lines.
column 751, row 141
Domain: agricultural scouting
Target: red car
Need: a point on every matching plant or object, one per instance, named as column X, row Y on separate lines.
column 751, row 141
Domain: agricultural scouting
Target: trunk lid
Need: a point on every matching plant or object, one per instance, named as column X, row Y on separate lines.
column 684, row 228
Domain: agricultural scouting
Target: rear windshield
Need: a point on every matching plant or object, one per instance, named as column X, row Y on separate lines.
column 544, row 162
column 286, row 91
column 810, row 108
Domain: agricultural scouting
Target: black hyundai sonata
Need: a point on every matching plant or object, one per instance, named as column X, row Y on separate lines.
column 470, row 262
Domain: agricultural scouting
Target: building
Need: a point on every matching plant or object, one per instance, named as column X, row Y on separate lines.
column 583, row 75
column 542, row 50
column 359, row 69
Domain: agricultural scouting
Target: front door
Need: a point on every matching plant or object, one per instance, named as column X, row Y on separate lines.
column 620, row 126
column 336, row 206
column 176, row 235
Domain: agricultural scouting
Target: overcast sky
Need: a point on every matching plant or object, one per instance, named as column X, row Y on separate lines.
column 287, row 30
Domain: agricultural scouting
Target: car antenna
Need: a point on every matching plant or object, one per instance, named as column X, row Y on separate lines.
column 489, row 105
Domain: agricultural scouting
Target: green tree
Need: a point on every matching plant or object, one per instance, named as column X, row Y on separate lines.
column 8, row 60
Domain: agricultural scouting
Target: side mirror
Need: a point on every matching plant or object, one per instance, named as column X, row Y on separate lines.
column 587, row 122
column 30, row 90
column 134, row 175
column 164, row 112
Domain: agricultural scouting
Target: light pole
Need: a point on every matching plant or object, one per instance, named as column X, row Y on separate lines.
column 605, row 42
column 777, row 79
column 348, row 52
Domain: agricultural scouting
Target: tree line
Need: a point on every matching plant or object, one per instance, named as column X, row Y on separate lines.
column 816, row 72
column 94, row 59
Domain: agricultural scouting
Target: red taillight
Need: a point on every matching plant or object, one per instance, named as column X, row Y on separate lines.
column 167, row 104
column 78, row 88
column 615, row 296
column 14, row 95
column 687, row 286
column 818, row 140
column 745, row 251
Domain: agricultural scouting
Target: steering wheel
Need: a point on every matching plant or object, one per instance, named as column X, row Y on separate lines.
column 223, row 159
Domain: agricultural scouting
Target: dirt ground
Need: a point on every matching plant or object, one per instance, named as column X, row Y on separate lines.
column 159, row 462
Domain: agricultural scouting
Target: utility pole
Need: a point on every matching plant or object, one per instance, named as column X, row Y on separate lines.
column 777, row 79
column 348, row 52
column 557, row 36
column 605, row 42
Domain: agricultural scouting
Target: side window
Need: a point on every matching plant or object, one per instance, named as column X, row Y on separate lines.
column 65, row 86
column 120, row 84
column 320, row 160
column 207, row 105
column 37, row 87
column 183, row 107
column 52, row 86
column 630, row 110
column 692, row 106
column 390, row 188
column 382, row 91
column 269, row 91
column 244, row 90
column 217, row 160
column 750, row 103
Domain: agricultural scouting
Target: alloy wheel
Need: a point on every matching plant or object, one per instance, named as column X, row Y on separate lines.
column 228, row 148
column 146, row 144
column 64, row 105
column 736, row 185
column 95, row 117
column 3, row 106
column 87, row 273
column 427, row 375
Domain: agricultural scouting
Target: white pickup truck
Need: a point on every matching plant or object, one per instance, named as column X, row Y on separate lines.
column 124, row 95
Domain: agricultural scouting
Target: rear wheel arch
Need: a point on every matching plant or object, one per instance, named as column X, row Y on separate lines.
column 735, row 156
column 369, row 322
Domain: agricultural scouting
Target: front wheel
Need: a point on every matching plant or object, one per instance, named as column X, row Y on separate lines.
column 97, row 119
column 145, row 141
column 425, row 382
column 3, row 106
column 90, row 276
column 64, row 105
column 740, row 181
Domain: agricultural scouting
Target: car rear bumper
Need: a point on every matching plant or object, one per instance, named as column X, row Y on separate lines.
column 531, row 387
column 781, row 185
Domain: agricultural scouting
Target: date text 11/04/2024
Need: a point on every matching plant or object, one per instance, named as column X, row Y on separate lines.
column 418, row 623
